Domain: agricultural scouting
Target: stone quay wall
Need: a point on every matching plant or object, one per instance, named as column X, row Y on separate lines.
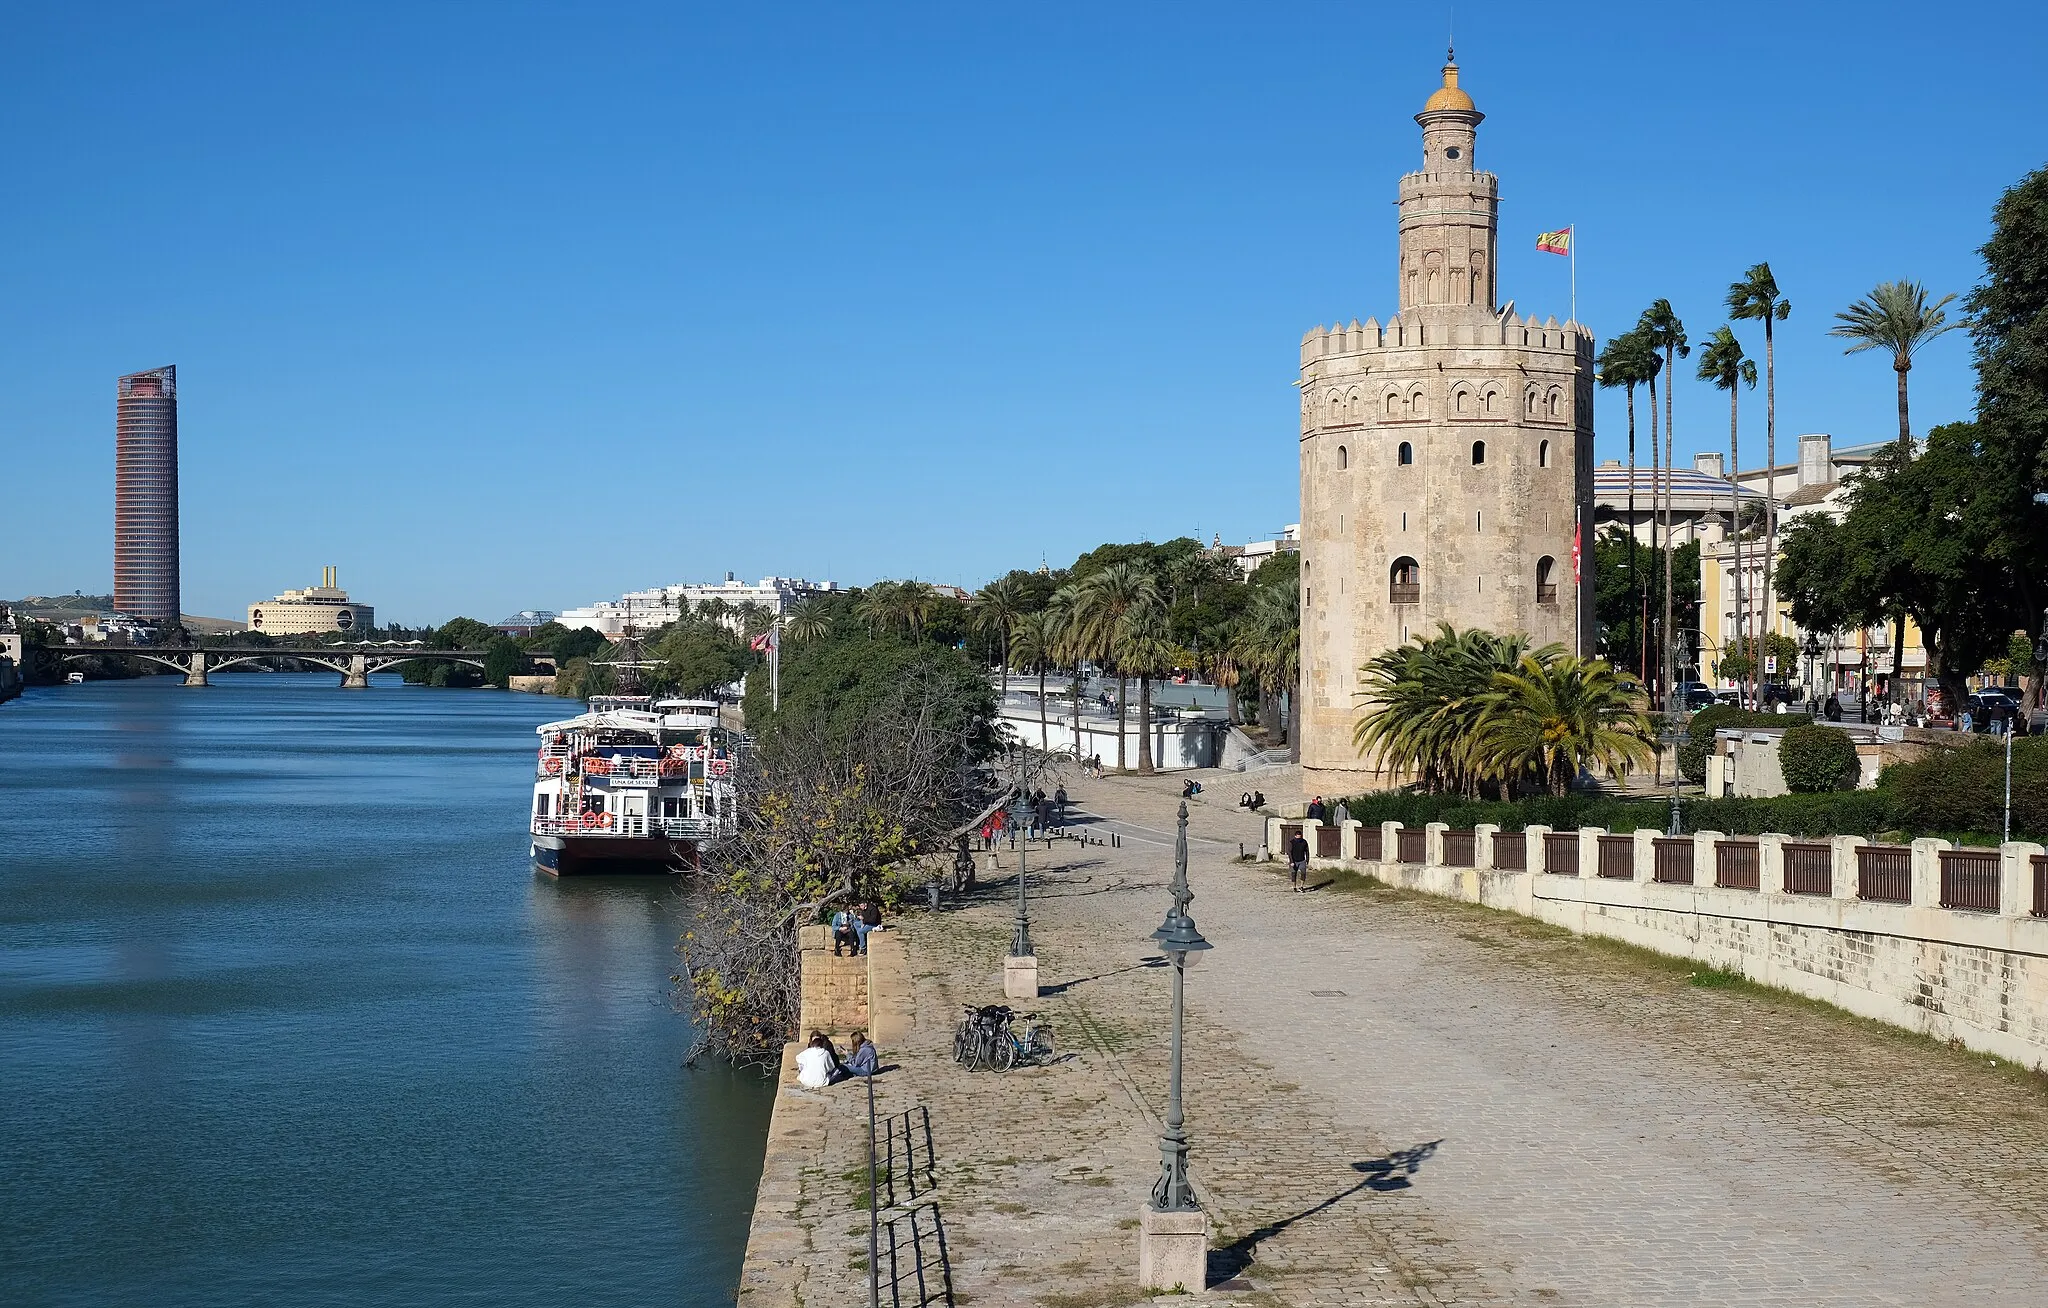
column 1949, row 942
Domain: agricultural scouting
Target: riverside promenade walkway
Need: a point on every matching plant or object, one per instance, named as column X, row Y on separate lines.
column 1403, row 1100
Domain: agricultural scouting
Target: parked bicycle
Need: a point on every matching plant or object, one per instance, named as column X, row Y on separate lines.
column 988, row 1039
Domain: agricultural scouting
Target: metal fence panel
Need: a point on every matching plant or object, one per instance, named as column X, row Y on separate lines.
column 1459, row 849
column 1329, row 842
column 1673, row 864
column 1411, row 845
column 1561, row 853
column 1511, row 851
column 1618, row 857
column 1884, row 873
column 1368, row 843
column 1809, row 869
column 1969, row 879
column 1738, row 864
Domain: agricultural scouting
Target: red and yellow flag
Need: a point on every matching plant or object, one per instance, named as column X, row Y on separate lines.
column 1558, row 242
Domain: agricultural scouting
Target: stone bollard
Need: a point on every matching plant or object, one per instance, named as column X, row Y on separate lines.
column 1390, row 842
column 1173, row 1251
column 1347, row 840
column 1482, row 843
column 1843, row 864
column 1770, row 864
column 2016, row 878
column 1311, row 829
column 1020, row 976
column 1589, row 852
column 1433, row 843
column 1927, row 871
column 1706, row 868
column 1532, row 846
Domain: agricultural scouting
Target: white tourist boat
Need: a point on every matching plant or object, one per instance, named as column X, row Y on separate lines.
column 633, row 784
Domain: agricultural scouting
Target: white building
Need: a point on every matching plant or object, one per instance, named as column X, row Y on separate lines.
column 325, row 607
column 647, row 609
column 1251, row 556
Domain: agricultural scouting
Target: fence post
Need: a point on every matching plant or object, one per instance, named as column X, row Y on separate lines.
column 1310, row 831
column 2016, row 878
column 1845, row 865
column 1770, row 864
column 1644, row 854
column 1532, row 847
column 1589, row 852
column 1433, row 843
column 1390, row 842
column 1482, row 843
column 1706, row 865
column 1927, row 871
column 1272, row 838
column 1347, row 841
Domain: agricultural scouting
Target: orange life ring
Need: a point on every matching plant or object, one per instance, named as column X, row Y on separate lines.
column 604, row 819
column 589, row 821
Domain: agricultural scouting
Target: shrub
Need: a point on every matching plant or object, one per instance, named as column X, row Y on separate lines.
column 1692, row 755
column 1815, row 759
column 1963, row 790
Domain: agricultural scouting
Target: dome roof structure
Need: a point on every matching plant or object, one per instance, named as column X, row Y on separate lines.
column 1450, row 96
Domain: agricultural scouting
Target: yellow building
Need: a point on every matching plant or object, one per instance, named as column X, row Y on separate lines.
column 325, row 607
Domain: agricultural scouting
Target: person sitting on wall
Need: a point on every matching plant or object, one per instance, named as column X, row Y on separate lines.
column 1252, row 799
column 1190, row 789
column 846, row 932
column 867, row 919
column 815, row 1064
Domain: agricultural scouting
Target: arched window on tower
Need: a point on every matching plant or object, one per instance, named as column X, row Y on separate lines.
column 1546, row 580
column 1478, row 453
column 1405, row 455
column 1393, row 404
column 1343, row 458
column 1543, row 454
column 1557, row 404
column 1404, row 582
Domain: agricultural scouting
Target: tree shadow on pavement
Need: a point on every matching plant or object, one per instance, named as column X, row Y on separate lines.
column 1388, row 1173
column 1061, row 987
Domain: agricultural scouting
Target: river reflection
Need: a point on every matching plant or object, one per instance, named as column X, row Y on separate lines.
column 284, row 1017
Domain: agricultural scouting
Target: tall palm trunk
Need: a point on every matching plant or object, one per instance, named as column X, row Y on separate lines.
column 1901, row 366
column 1079, row 681
column 1735, row 521
column 1635, row 579
column 1643, row 612
column 1145, row 767
column 1005, row 648
column 1670, row 371
column 1122, row 687
column 1770, row 598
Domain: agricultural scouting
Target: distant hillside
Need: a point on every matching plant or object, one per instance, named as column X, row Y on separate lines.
column 70, row 608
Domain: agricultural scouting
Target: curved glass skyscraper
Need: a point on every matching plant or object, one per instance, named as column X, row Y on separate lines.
column 146, row 496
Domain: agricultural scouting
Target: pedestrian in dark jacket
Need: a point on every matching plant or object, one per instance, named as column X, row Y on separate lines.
column 1316, row 811
column 1297, row 863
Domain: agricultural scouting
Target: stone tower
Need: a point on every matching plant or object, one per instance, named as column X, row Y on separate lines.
column 1446, row 457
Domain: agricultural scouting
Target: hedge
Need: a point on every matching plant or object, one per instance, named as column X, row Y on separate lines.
column 1692, row 755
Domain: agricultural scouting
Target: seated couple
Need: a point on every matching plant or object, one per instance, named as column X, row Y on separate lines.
column 819, row 1065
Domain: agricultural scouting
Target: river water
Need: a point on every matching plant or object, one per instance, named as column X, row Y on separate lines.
column 285, row 1017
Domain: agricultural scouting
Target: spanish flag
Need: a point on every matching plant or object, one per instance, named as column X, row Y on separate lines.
column 1558, row 242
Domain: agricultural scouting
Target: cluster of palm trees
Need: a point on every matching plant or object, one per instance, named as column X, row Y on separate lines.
column 1896, row 317
column 1463, row 711
column 1117, row 619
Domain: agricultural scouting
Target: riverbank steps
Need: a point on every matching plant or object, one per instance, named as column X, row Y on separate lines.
column 1395, row 1098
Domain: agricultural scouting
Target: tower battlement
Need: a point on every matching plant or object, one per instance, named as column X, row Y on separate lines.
column 1407, row 331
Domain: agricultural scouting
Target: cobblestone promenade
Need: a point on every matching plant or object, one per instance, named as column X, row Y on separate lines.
column 1401, row 1100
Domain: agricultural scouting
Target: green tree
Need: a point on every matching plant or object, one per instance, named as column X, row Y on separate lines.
column 807, row 619
column 1102, row 600
column 996, row 608
column 1145, row 648
column 1896, row 317
column 464, row 633
column 1723, row 363
column 1554, row 716
column 1660, row 324
column 1630, row 361
column 1035, row 642
column 695, row 658
column 1421, row 705
column 1814, row 758
column 1756, row 298
column 1266, row 642
column 505, row 661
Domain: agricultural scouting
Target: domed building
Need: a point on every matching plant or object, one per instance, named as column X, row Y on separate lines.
column 1446, row 456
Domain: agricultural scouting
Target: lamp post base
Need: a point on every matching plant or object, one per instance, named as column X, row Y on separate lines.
column 1173, row 1250
column 1020, row 977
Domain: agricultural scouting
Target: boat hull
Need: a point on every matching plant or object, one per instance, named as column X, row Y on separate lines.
column 564, row 856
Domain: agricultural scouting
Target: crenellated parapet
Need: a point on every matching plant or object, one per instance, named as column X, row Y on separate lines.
column 1571, row 340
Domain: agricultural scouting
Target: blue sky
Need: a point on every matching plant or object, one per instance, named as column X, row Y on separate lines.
column 510, row 305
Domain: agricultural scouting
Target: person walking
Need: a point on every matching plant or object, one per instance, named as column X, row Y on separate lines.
column 1059, row 806
column 1297, row 863
column 1316, row 811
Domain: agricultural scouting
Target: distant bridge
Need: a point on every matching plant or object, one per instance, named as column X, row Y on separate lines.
column 355, row 663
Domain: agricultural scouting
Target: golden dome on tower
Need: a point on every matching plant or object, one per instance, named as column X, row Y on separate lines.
column 1450, row 96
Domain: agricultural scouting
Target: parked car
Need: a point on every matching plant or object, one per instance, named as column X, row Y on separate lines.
column 1696, row 695
column 1774, row 692
column 1731, row 697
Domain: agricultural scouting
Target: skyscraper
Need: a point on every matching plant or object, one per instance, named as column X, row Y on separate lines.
column 146, row 496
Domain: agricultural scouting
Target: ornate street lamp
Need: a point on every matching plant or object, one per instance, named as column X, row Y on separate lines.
column 1179, row 938
column 1173, row 1239
column 1020, row 815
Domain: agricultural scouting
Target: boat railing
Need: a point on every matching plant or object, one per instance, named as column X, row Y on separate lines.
column 626, row 826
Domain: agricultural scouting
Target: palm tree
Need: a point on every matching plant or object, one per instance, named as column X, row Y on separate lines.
column 1034, row 640
column 1660, row 323
column 997, row 606
column 1723, row 363
column 1071, row 646
column 806, row 620
column 1422, row 707
column 1144, row 647
column 1267, row 642
column 1756, row 299
column 1104, row 598
column 878, row 607
column 1554, row 715
column 1897, row 317
column 1629, row 361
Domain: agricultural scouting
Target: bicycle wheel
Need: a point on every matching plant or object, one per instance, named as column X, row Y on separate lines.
column 984, row 1050
column 963, row 1043
column 1041, row 1042
column 1006, row 1054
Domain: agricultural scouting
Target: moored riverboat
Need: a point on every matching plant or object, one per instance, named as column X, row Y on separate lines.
column 634, row 784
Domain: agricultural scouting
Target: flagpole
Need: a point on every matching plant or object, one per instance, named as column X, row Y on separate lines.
column 775, row 666
column 1575, row 272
